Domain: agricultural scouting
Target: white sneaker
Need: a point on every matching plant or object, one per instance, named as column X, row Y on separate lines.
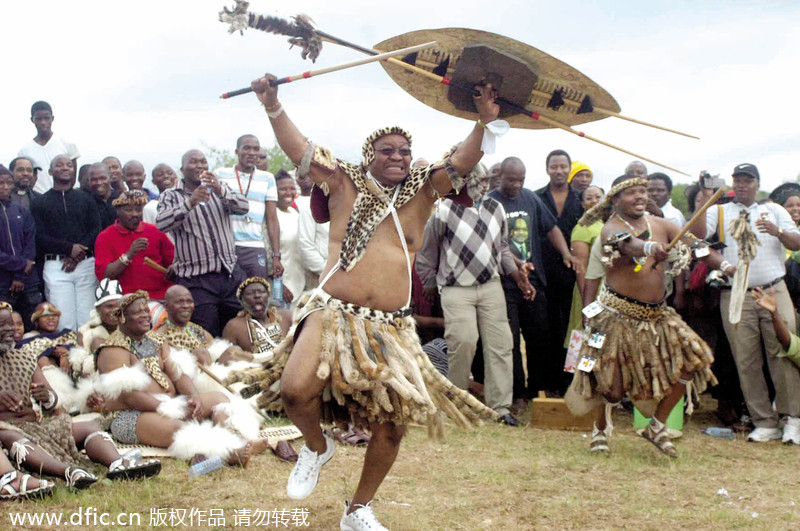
column 791, row 431
column 764, row 434
column 305, row 473
column 362, row 519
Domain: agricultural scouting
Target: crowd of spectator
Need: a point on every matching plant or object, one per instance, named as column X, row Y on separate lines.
column 67, row 229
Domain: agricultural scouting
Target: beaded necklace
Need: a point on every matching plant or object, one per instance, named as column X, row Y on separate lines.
column 638, row 260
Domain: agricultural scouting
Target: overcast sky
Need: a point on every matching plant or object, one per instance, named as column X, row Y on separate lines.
column 142, row 79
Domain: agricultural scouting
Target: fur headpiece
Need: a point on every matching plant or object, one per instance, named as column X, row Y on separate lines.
column 368, row 150
column 45, row 310
column 271, row 312
column 131, row 197
column 127, row 300
column 602, row 210
column 252, row 280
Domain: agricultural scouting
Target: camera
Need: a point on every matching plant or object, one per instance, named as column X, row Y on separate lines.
column 711, row 181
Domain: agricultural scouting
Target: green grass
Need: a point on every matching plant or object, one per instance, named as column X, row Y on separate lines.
column 498, row 478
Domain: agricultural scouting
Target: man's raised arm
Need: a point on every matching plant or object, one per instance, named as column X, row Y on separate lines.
column 469, row 152
column 289, row 138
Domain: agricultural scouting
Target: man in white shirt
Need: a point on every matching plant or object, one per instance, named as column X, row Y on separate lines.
column 261, row 192
column 45, row 146
column 775, row 230
column 660, row 190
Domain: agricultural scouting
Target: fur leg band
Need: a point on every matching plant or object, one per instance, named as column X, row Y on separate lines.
column 195, row 438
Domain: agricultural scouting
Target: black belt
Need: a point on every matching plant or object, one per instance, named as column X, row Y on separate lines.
column 62, row 256
column 762, row 286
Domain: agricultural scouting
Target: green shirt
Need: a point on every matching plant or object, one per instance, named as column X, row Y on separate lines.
column 793, row 353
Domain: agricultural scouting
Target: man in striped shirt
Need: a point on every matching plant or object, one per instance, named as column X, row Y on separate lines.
column 465, row 250
column 196, row 213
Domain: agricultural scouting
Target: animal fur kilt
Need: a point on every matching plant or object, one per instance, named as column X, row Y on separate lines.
column 651, row 346
column 377, row 369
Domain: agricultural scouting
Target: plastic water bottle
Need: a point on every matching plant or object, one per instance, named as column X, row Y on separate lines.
column 204, row 467
column 203, row 203
column 134, row 454
column 721, row 433
column 277, row 290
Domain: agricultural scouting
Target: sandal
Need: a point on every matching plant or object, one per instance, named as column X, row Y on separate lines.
column 354, row 437
column 127, row 466
column 656, row 433
column 79, row 478
column 599, row 442
column 8, row 492
column 284, row 451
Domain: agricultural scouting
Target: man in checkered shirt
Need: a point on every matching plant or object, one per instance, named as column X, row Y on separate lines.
column 464, row 252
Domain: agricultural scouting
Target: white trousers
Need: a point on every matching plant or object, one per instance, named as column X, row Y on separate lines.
column 72, row 293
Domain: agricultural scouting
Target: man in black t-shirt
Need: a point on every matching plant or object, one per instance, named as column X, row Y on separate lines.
column 529, row 221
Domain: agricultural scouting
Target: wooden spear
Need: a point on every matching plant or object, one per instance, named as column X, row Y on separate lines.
column 514, row 107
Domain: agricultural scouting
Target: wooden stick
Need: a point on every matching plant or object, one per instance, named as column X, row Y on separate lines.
column 227, row 388
column 335, row 68
column 155, row 265
column 700, row 212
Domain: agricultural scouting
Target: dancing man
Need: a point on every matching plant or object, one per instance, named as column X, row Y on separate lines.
column 636, row 344
column 357, row 338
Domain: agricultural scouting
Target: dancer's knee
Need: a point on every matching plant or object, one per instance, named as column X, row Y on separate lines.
column 391, row 433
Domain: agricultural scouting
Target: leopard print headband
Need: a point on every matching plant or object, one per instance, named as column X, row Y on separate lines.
column 127, row 300
column 131, row 197
column 368, row 150
column 252, row 280
column 602, row 210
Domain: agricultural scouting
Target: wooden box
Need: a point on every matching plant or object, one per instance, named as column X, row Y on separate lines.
column 553, row 413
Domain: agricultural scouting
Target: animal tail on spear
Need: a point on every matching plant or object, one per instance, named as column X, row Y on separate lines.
column 301, row 31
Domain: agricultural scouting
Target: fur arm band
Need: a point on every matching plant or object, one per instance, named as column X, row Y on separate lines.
column 183, row 362
column 218, row 347
column 123, row 380
column 80, row 360
column 466, row 188
column 318, row 156
column 173, row 407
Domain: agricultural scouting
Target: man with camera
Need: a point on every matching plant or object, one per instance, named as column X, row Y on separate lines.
column 775, row 230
